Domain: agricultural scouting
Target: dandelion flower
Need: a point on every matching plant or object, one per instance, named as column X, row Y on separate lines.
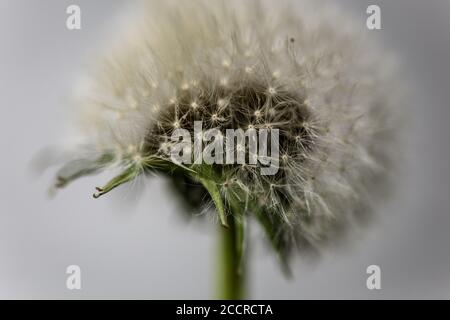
column 302, row 73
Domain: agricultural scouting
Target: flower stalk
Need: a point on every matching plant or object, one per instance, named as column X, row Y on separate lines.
column 231, row 275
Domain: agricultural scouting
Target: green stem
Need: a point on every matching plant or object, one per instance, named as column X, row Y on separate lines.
column 231, row 276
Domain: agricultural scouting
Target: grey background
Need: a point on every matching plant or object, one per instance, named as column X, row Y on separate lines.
column 146, row 250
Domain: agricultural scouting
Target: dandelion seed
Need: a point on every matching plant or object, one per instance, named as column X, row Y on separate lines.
column 272, row 91
column 222, row 103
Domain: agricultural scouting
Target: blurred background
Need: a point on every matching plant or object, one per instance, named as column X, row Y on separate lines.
column 146, row 250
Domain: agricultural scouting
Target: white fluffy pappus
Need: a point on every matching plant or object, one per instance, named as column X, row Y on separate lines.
column 303, row 69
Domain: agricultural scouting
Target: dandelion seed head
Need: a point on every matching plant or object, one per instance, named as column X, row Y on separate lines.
column 305, row 74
